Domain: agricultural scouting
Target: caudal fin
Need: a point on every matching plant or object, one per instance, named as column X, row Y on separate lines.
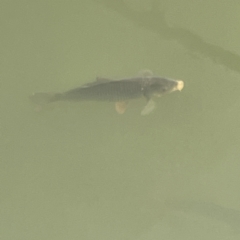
column 42, row 98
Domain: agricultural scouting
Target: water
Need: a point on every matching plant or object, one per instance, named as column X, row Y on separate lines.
column 81, row 171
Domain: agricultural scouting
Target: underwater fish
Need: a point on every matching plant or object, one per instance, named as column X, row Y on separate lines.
column 119, row 91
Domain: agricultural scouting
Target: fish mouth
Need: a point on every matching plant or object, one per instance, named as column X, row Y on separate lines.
column 179, row 86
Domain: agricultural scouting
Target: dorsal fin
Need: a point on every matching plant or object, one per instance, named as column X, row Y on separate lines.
column 102, row 80
column 145, row 73
column 96, row 82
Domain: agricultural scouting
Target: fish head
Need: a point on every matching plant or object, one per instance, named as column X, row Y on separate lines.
column 160, row 86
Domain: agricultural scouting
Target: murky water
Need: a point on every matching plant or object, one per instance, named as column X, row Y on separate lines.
column 81, row 171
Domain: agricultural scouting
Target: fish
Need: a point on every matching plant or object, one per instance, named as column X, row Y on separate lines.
column 119, row 91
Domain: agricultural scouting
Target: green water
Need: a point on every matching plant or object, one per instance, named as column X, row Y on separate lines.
column 81, row 171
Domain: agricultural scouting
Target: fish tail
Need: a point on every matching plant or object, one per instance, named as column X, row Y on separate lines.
column 42, row 98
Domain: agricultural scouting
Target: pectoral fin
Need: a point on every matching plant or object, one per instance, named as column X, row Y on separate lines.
column 120, row 107
column 148, row 108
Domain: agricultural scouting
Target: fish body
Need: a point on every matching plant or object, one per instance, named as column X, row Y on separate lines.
column 119, row 91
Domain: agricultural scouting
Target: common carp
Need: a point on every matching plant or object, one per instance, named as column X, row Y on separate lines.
column 119, row 91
